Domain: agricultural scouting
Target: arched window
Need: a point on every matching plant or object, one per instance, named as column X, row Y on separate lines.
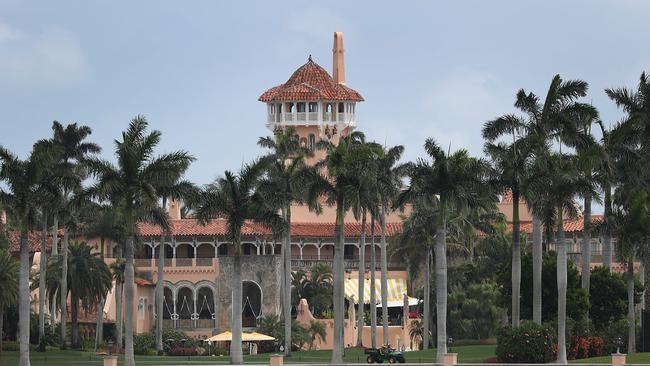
column 341, row 108
column 313, row 107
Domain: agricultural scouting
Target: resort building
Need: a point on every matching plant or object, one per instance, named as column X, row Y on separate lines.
column 198, row 258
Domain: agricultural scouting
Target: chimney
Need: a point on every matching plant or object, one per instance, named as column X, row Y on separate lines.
column 174, row 209
column 338, row 72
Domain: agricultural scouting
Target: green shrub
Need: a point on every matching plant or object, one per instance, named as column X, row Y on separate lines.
column 10, row 346
column 142, row 343
column 611, row 334
column 530, row 343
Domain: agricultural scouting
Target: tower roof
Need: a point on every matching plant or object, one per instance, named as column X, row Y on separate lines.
column 310, row 82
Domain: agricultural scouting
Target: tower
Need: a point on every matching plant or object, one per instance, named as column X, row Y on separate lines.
column 317, row 105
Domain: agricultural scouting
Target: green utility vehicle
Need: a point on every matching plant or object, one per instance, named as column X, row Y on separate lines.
column 383, row 354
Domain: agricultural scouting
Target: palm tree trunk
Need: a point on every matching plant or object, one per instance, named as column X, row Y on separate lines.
column 537, row 270
column 119, row 288
column 586, row 245
column 129, row 359
column 561, row 290
column 55, row 251
column 160, row 292
column 441, row 284
column 64, row 288
column 384, row 275
column 631, row 317
column 339, row 301
column 362, row 280
column 23, row 309
column 74, row 314
column 287, row 282
column 427, row 301
column 607, row 240
column 2, row 316
column 236, row 354
column 99, row 326
column 41, row 286
column 373, row 294
column 516, row 259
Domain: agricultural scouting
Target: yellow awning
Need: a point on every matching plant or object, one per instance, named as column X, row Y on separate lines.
column 245, row 337
column 396, row 290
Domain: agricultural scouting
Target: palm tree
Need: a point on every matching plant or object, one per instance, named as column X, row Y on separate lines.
column 176, row 189
column 89, row 278
column 451, row 183
column 317, row 330
column 416, row 242
column 417, row 333
column 235, row 198
column 511, row 167
column 286, row 176
column 389, row 181
column 9, row 272
column 349, row 164
column 118, row 269
column 103, row 222
column 69, row 148
column 131, row 185
column 373, row 292
column 562, row 180
column 22, row 178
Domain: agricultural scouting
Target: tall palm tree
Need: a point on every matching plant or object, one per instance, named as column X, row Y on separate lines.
column 235, row 198
column 563, row 182
column 389, row 176
column 541, row 120
column 105, row 223
column 451, row 183
column 175, row 188
column 22, row 178
column 416, row 243
column 69, row 147
column 286, row 176
column 89, row 278
column 131, row 185
column 9, row 275
column 349, row 164
column 373, row 292
column 511, row 167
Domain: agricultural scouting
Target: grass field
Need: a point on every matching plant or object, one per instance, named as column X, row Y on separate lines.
column 466, row 354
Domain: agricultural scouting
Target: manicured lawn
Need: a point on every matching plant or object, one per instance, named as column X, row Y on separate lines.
column 466, row 354
column 637, row 358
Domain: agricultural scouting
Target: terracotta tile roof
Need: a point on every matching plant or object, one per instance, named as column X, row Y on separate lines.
column 310, row 82
column 33, row 239
column 570, row 226
column 217, row 227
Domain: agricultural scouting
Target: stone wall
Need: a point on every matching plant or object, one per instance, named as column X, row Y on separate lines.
column 264, row 270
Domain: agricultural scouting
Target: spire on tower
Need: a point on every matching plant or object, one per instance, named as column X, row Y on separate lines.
column 338, row 71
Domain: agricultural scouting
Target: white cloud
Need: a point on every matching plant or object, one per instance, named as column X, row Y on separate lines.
column 29, row 62
column 459, row 105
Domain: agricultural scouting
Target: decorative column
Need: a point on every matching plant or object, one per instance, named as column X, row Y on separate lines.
column 174, row 316
column 195, row 315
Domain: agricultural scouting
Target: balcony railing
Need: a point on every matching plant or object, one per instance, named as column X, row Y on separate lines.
column 204, row 262
column 184, row 262
column 318, row 117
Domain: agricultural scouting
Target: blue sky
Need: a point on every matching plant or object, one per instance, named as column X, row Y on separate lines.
column 195, row 69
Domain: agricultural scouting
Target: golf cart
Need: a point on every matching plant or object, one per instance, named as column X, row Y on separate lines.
column 382, row 354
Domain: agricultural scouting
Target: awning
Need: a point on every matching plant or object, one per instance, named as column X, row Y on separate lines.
column 396, row 291
column 245, row 337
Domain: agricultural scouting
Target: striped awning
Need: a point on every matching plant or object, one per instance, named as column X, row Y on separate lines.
column 396, row 291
